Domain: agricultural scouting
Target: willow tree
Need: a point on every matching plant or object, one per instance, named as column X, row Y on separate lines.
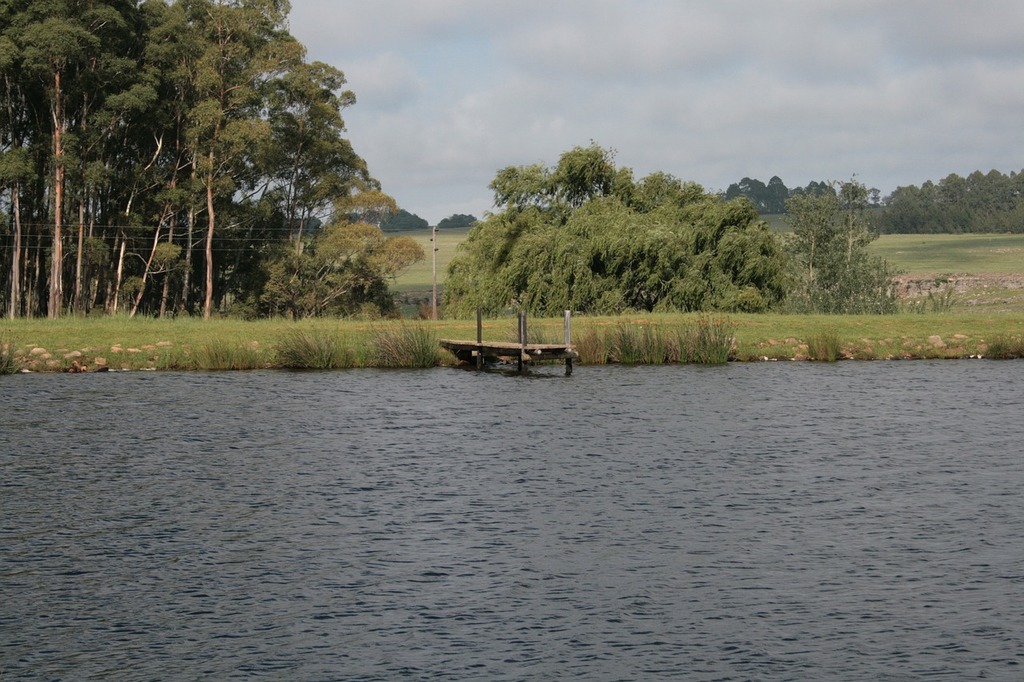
column 605, row 244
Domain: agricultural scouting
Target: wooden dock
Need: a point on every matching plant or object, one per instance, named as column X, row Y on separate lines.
column 481, row 352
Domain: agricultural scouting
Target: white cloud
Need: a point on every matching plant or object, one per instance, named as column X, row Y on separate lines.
column 385, row 82
column 710, row 90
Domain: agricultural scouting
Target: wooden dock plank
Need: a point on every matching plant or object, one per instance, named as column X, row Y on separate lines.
column 474, row 352
column 531, row 351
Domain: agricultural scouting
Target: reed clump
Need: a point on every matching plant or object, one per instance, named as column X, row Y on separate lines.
column 637, row 344
column 708, row 341
column 316, row 349
column 8, row 364
column 225, row 355
column 590, row 347
column 943, row 302
column 824, row 346
column 409, row 346
column 705, row 340
column 1005, row 348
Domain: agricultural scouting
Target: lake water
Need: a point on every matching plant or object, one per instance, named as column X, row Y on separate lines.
column 776, row 521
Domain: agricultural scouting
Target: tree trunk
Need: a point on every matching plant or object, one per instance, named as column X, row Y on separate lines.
column 167, row 275
column 57, row 252
column 208, row 304
column 187, row 278
column 145, row 273
column 36, row 282
column 15, row 302
column 120, row 272
column 77, row 306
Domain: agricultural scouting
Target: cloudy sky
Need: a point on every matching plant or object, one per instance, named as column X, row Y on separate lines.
column 894, row 92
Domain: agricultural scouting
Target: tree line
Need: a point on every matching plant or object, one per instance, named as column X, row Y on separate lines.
column 180, row 157
column 404, row 220
column 771, row 199
column 981, row 202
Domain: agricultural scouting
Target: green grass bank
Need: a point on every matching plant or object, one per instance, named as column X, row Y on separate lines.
column 964, row 298
column 90, row 344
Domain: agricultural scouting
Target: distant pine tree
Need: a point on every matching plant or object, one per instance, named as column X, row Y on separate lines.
column 457, row 220
column 402, row 221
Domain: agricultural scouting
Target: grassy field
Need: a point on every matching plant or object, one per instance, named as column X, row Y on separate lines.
column 418, row 278
column 936, row 254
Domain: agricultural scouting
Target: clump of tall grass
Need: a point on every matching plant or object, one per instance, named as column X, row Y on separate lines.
column 8, row 365
column 708, row 341
column 1005, row 348
column 302, row 349
column 406, row 346
column 222, row 355
column 590, row 347
column 824, row 346
column 637, row 344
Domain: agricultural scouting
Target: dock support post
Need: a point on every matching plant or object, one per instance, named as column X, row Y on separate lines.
column 479, row 338
column 522, row 340
column 568, row 341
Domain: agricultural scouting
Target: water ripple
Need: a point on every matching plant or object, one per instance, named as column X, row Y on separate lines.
column 851, row 521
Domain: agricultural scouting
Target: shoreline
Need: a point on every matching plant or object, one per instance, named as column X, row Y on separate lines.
column 89, row 344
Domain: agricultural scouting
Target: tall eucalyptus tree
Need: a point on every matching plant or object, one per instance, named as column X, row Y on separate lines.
column 308, row 161
column 137, row 121
column 243, row 44
column 62, row 61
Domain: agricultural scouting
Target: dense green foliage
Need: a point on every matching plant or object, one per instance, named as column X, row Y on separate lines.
column 160, row 156
column 585, row 236
column 343, row 271
column 836, row 273
column 403, row 220
column 991, row 202
column 456, row 220
column 768, row 199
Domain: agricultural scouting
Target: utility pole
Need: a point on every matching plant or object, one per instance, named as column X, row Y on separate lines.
column 433, row 298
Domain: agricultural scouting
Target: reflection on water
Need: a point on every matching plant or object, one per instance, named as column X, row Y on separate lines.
column 778, row 521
